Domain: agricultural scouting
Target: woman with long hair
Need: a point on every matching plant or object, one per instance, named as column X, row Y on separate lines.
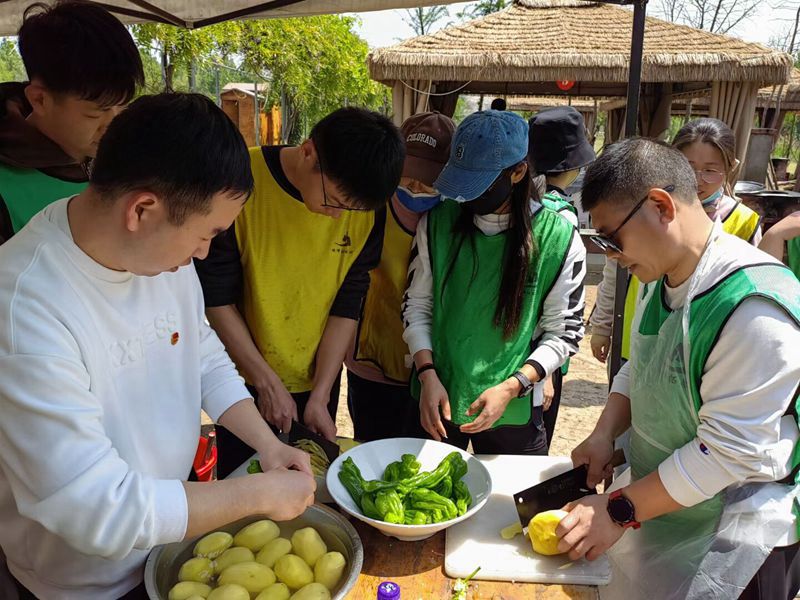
column 495, row 297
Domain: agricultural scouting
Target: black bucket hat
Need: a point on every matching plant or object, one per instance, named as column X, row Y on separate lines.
column 557, row 141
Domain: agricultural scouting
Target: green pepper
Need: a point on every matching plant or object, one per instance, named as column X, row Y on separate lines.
column 445, row 487
column 416, row 517
column 458, row 466
column 406, row 467
column 389, row 506
column 462, row 497
column 368, row 507
column 423, row 499
column 352, row 480
column 254, row 467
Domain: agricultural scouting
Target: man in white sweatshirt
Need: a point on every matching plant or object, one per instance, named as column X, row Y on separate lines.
column 106, row 361
column 709, row 396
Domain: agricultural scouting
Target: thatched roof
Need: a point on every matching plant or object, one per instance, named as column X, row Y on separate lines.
column 789, row 93
column 550, row 40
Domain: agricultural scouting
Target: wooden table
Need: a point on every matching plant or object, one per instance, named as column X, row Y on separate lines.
column 418, row 567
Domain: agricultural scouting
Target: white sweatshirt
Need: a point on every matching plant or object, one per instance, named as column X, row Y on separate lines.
column 102, row 378
column 750, row 379
column 556, row 335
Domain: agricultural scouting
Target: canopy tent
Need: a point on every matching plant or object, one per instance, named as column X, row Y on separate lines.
column 192, row 14
column 528, row 47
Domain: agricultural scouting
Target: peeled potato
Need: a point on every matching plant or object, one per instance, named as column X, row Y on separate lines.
column 197, row 569
column 252, row 576
column 512, row 530
column 276, row 591
column 232, row 556
column 196, row 597
column 313, row 591
column 188, row 589
column 214, row 544
column 256, row 535
column 229, row 591
column 293, row 571
column 307, row 544
column 329, row 568
column 273, row 550
column 542, row 531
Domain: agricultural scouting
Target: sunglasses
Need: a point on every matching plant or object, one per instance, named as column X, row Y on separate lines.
column 326, row 201
column 606, row 242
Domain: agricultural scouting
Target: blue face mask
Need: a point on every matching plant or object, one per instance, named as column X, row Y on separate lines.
column 417, row 202
column 713, row 198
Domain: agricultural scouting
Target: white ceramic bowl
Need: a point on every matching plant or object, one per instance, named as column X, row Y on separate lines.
column 372, row 457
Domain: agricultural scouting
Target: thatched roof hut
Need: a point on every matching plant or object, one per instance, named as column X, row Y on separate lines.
column 528, row 47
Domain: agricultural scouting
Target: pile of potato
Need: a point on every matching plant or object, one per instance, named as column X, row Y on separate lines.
column 258, row 564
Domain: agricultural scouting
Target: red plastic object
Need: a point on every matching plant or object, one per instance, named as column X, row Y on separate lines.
column 565, row 84
column 205, row 458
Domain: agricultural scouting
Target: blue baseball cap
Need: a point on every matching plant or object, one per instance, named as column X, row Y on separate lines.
column 486, row 143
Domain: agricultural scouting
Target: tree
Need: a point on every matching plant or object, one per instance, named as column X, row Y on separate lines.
column 316, row 64
column 422, row 20
column 176, row 47
column 481, row 9
column 716, row 16
column 11, row 67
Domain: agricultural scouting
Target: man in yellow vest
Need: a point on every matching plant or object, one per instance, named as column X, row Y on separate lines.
column 284, row 287
column 378, row 396
column 82, row 68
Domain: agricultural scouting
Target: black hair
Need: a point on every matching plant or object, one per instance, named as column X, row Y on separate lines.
column 628, row 169
column 499, row 104
column 362, row 152
column 715, row 133
column 181, row 147
column 80, row 48
column 519, row 248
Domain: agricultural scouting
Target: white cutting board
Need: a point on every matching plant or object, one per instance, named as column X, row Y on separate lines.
column 476, row 542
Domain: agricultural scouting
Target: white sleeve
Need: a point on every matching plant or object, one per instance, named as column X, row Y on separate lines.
column 220, row 383
column 62, row 468
column 750, row 380
column 418, row 299
column 562, row 313
column 622, row 381
column 602, row 318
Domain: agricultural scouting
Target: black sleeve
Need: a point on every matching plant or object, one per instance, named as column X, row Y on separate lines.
column 220, row 272
column 354, row 288
column 6, row 230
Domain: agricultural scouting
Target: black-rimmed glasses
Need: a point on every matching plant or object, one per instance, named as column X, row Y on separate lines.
column 326, row 202
column 606, row 242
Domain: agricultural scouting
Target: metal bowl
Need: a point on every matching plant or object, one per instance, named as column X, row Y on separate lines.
column 164, row 562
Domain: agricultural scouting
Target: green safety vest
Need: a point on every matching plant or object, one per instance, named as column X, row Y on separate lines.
column 793, row 255
column 554, row 201
column 471, row 353
column 27, row 191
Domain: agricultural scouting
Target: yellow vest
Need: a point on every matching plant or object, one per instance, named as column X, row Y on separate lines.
column 380, row 333
column 294, row 262
column 743, row 222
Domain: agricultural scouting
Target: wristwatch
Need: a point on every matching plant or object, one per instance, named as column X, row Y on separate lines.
column 621, row 511
column 527, row 384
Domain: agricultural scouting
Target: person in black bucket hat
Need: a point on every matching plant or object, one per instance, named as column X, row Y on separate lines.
column 557, row 149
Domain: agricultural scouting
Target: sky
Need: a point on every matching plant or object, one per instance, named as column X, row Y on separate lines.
column 387, row 27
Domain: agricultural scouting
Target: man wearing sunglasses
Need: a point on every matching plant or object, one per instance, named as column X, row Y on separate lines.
column 285, row 285
column 708, row 395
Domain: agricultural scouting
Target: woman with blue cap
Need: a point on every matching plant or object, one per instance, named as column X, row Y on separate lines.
column 495, row 297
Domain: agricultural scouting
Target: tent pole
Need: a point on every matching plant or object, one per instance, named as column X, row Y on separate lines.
column 631, row 117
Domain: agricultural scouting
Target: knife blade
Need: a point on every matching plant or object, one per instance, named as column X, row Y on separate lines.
column 557, row 491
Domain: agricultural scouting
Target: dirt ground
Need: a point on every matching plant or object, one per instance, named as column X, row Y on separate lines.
column 582, row 399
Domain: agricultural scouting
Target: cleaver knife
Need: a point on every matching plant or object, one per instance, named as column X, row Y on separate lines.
column 301, row 432
column 557, row 491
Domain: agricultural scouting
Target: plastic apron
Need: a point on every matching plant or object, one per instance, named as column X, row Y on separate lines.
column 710, row 550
